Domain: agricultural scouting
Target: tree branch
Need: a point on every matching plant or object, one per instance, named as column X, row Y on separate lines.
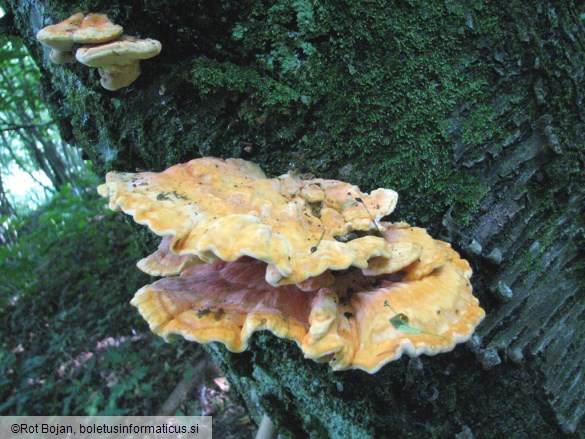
column 25, row 126
column 22, row 166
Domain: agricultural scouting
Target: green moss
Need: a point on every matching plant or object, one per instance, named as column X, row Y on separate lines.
column 268, row 381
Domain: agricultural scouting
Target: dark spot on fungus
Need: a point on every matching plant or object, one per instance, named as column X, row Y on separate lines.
column 180, row 196
column 316, row 208
column 203, row 312
column 219, row 314
column 347, row 237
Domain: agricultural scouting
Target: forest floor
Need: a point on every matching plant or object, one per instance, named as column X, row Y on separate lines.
column 216, row 398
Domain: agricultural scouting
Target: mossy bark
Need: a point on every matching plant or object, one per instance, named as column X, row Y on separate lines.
column 472, row 111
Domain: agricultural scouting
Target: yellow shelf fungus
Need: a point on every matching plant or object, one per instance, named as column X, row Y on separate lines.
column 79, row 29
column 202, row 202
column 117, row 56
column 309, row 260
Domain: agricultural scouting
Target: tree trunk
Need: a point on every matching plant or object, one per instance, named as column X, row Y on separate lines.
column 472, row 111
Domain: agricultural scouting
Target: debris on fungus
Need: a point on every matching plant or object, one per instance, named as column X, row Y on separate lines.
column 310, row 260
column 117, row 56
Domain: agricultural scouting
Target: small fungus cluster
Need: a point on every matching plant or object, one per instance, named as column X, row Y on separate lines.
column 310, row 260
column 95, row 41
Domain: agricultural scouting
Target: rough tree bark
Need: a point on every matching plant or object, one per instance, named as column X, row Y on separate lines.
column 472, row 111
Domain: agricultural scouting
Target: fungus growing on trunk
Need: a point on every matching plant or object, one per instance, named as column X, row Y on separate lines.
column 309, row 260
column 117, row 56
column 119, row 60
column 77, row 29
column 115, row 77
column 60, row 36
column 201, row 202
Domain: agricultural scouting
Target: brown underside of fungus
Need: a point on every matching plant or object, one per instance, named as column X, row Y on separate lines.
column 117, row 56
column 310, row 260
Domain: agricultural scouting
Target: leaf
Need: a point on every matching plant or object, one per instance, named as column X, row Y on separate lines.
column 409, row 329
column 400, row 322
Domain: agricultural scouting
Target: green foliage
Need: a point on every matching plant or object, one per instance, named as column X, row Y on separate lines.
column 18, row 66
column 29, row 140
column 70, row 342
column 19, row 100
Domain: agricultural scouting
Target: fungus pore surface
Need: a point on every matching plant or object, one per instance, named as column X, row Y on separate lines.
column 309, row 260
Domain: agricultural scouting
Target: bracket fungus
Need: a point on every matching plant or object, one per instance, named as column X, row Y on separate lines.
column 310, row 260
column 117, row 56
column 91, row 29
column 119, row 60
